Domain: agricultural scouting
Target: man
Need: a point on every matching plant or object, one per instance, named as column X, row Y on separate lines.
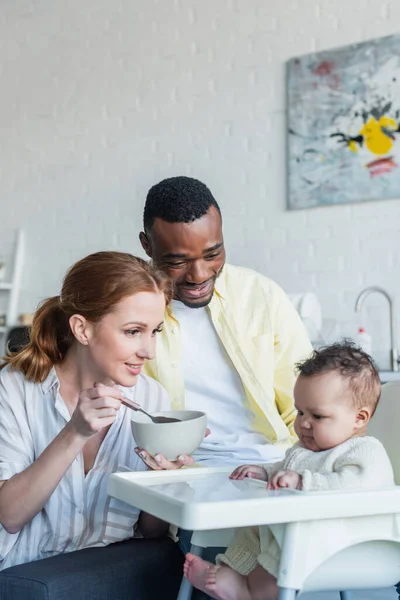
column 231, row 337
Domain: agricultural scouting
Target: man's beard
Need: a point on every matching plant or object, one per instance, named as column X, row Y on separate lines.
column 193, row 304
column 203, row 301
column 201, row 304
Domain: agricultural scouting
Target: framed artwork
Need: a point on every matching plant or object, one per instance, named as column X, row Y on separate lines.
column 344, row 125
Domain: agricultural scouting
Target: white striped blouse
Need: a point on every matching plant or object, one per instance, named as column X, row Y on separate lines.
column 79, row 514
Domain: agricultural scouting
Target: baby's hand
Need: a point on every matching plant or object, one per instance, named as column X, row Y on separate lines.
column 285, row 479
column 252, row 471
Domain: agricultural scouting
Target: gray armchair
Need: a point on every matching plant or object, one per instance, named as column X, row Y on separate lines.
column 136, row 569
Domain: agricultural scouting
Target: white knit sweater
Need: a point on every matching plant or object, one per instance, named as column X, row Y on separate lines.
column 358, row 463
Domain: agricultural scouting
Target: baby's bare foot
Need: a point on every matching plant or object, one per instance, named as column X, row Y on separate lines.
column 196, row 569
column 223, row 583
column 211, row 575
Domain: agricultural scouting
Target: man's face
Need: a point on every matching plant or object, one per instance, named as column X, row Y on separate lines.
column 192, row 254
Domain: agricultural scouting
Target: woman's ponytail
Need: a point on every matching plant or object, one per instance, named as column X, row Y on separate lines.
column 50, row 338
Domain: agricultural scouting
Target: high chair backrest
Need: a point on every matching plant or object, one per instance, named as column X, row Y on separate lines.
column 385, row 424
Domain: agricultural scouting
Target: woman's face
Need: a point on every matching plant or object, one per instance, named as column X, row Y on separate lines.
column 120, row 343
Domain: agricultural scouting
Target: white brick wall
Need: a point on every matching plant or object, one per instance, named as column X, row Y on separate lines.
column 101, row 99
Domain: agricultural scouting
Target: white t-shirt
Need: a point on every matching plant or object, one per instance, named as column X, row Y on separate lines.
column 213, row 386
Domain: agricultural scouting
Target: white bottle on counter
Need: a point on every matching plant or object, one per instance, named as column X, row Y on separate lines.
column 364, row 340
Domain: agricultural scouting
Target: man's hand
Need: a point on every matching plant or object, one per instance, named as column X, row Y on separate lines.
column 285, row 479
column 251, row 471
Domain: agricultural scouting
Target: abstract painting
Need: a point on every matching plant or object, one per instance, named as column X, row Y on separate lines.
column 344, row 125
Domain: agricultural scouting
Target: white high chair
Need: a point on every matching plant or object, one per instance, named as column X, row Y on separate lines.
column 371, row 561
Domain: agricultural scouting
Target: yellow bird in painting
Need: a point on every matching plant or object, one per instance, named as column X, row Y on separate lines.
column 378, row 135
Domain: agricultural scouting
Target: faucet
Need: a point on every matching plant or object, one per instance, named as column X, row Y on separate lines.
column 394, row 360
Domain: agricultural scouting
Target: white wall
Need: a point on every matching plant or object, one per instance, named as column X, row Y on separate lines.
column 99, row 100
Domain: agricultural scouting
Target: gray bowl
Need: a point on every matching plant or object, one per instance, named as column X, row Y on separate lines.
column 170, row 439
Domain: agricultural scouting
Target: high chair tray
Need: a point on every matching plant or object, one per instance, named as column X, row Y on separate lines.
column 205, row 498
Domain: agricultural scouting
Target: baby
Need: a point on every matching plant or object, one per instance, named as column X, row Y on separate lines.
column 336, row 394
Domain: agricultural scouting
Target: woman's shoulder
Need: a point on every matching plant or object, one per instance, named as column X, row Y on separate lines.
column 13, row 386
column 10, row 377
column 150, row 394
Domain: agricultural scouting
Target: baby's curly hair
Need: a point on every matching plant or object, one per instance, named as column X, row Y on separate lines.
column 355, row 366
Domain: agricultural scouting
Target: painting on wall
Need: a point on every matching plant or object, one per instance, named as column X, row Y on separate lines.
column 344, row 125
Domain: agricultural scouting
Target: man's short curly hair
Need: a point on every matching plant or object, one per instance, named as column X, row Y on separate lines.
column 355, row 366
column 177, row 200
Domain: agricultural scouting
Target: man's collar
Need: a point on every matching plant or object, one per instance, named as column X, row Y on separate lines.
column 220, row 284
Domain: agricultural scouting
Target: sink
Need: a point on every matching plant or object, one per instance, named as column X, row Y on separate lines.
column 386, row 376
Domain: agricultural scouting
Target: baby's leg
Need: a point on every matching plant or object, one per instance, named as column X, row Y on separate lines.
column 222, row 583
column 262, row 585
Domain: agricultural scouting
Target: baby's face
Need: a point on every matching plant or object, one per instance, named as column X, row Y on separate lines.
column 326, row 416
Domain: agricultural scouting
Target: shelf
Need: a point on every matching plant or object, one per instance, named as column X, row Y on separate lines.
column 5, row 285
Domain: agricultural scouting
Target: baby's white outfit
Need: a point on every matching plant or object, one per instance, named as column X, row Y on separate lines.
column 358, row 463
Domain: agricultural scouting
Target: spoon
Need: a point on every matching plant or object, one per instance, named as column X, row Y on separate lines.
column 136, row 407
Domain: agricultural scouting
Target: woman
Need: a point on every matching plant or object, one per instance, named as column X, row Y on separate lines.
column 63, row 429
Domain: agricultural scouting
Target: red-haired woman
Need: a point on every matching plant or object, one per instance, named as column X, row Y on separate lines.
column 63, row 428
